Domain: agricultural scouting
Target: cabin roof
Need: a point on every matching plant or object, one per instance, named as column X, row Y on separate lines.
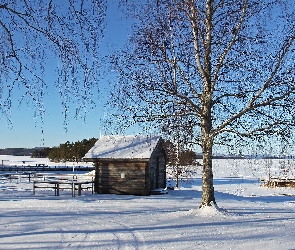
column 122, row 147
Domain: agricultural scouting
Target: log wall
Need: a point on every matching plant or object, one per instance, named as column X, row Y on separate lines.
column 122, row 178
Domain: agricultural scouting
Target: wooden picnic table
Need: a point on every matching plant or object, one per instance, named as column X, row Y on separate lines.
column 58, row 185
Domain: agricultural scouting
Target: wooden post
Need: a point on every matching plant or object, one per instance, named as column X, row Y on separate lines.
column 57, row 189
column 79, row 189
column 73, row 189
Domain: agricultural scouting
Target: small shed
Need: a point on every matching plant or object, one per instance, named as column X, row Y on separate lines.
column 128, row 164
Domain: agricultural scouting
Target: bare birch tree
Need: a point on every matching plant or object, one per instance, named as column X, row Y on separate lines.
column 225, row 67
column 39, row 38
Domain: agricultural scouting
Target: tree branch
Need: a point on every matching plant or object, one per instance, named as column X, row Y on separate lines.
column 230, row 45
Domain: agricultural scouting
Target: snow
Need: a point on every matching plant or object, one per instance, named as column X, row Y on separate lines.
column 247, row 216
column 123, row 147
column 8, row 160
column 21, row 160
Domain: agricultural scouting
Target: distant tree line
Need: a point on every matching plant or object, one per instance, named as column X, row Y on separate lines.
column 68, row 151
column 41, row 153
column 17, row 151
column 75, row 151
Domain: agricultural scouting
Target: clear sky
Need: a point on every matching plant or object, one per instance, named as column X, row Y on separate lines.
column 25, row 130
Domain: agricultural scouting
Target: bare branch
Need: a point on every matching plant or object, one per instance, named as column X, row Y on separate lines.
column 231, row 43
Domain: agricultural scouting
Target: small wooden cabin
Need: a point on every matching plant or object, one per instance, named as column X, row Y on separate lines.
column 128, row 164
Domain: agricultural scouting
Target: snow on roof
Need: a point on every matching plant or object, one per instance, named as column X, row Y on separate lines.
column 123, row 147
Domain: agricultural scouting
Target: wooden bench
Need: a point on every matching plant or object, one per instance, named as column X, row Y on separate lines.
column 274, row 182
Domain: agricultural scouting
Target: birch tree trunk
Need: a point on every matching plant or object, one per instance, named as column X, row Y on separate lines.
column 206, row 118
column 207, row 174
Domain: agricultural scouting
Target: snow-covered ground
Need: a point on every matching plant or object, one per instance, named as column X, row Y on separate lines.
column 253, row 217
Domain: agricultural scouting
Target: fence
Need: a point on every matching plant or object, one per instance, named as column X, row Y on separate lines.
column 44, row 168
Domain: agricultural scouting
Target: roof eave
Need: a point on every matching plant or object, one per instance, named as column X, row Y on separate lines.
column 117, row 159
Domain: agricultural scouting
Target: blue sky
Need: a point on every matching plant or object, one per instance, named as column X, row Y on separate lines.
column 26, row 131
